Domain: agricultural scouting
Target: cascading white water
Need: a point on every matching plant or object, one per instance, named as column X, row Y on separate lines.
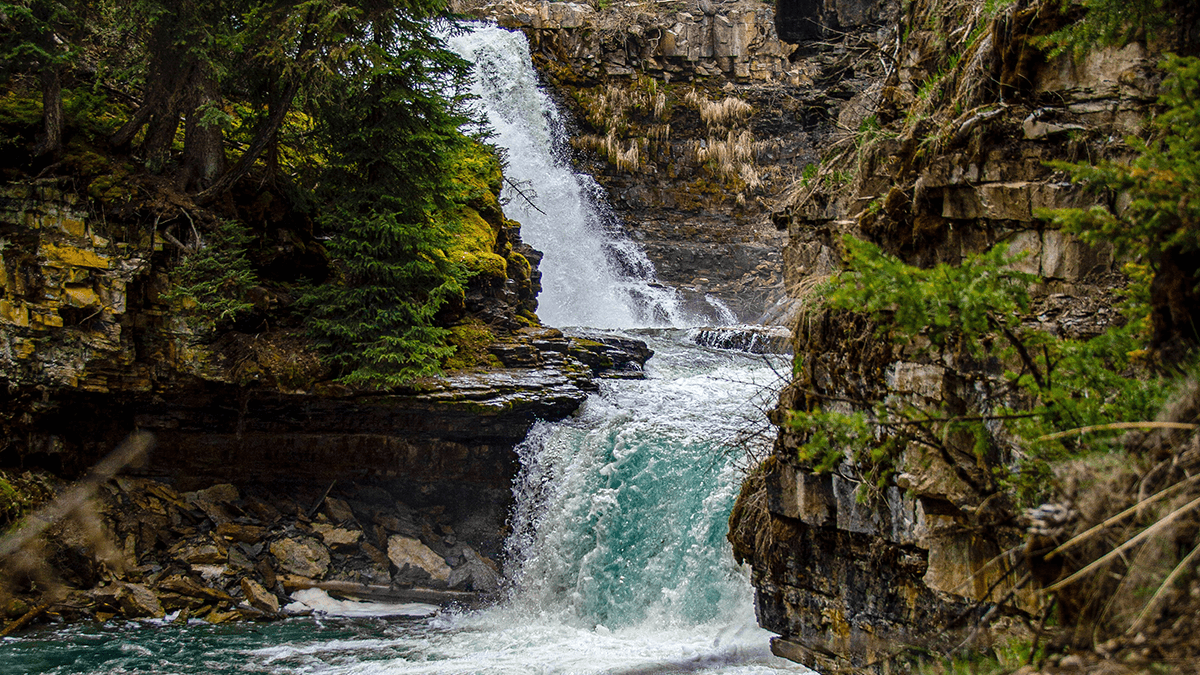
column 592, row 274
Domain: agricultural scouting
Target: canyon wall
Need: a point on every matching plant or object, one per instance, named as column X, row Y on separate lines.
column 696, row 118
column 93, row 347
column 949, row 159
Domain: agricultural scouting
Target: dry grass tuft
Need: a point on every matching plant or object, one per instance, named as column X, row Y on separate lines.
column 610, row 148
column 1124, row 574
column 731, row 158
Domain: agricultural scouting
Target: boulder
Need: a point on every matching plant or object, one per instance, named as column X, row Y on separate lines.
column 133, row 601
column 214, row 502
column 199, row 553
column 415, row 561
column 302, row 556
column 186, row 586
column 475, row 573
column 337, row 537
column 259, row 597
column 338, row 510
column 242, row 533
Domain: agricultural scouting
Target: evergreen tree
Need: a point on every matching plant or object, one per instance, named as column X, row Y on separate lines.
column 36, row 38
column 1161, row 224
column 391, row 133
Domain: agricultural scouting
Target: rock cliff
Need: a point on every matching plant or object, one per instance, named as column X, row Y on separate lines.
column 93, row 346
column 947, row 158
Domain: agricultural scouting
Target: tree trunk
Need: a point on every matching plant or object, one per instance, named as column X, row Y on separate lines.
column 203, row 144
column 160, row 134
column 266, row 136
column 51, row 81
column 52, row 112
column 165, row 82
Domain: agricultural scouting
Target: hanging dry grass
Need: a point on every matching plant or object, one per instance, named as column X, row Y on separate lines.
column 727, row 111
column 610, row 148
column 1124, row 574
column 730, row 158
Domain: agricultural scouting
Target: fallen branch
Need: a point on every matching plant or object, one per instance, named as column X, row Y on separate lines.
column 528, row 200
column 18, row 624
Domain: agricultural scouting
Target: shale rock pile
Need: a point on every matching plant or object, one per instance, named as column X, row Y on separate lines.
column 223, row 554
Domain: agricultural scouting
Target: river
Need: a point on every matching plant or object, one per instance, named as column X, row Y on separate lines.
column 618, row 560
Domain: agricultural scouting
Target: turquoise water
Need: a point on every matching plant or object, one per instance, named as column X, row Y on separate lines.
column 618, row 558
column 298, row 646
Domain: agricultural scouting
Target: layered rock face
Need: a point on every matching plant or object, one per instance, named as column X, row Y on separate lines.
column 696, row 121
column 949, row 161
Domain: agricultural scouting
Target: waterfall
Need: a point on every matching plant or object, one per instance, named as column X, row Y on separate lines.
column 592, row 274
column 617, row 557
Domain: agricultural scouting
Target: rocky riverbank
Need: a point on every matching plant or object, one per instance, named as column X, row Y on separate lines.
column 223, row 554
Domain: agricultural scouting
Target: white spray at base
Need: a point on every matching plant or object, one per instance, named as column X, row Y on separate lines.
column 618, row 554
column 592, row 274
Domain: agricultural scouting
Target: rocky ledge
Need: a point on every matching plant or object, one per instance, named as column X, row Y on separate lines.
column 261, row 459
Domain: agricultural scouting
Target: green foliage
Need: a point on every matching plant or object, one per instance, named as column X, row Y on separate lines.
column 1032, row 382
column 341, row 105
column 1107, row 23
column 942, row 303
column 809, row 173
column 28, row 43
column 375, row 322
column 212, row 284
column 1005, row 656
column 392, row 140
column 1163, row 182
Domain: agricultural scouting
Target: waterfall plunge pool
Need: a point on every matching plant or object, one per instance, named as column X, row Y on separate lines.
column 618, row 557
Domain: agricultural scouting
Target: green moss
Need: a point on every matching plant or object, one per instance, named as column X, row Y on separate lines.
column 83, row 159
column 476, row 224
column 20, row 494
column 471, row 340
column 474, row 246
column 477, row 174
column 519, row 267
column 20, row 109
